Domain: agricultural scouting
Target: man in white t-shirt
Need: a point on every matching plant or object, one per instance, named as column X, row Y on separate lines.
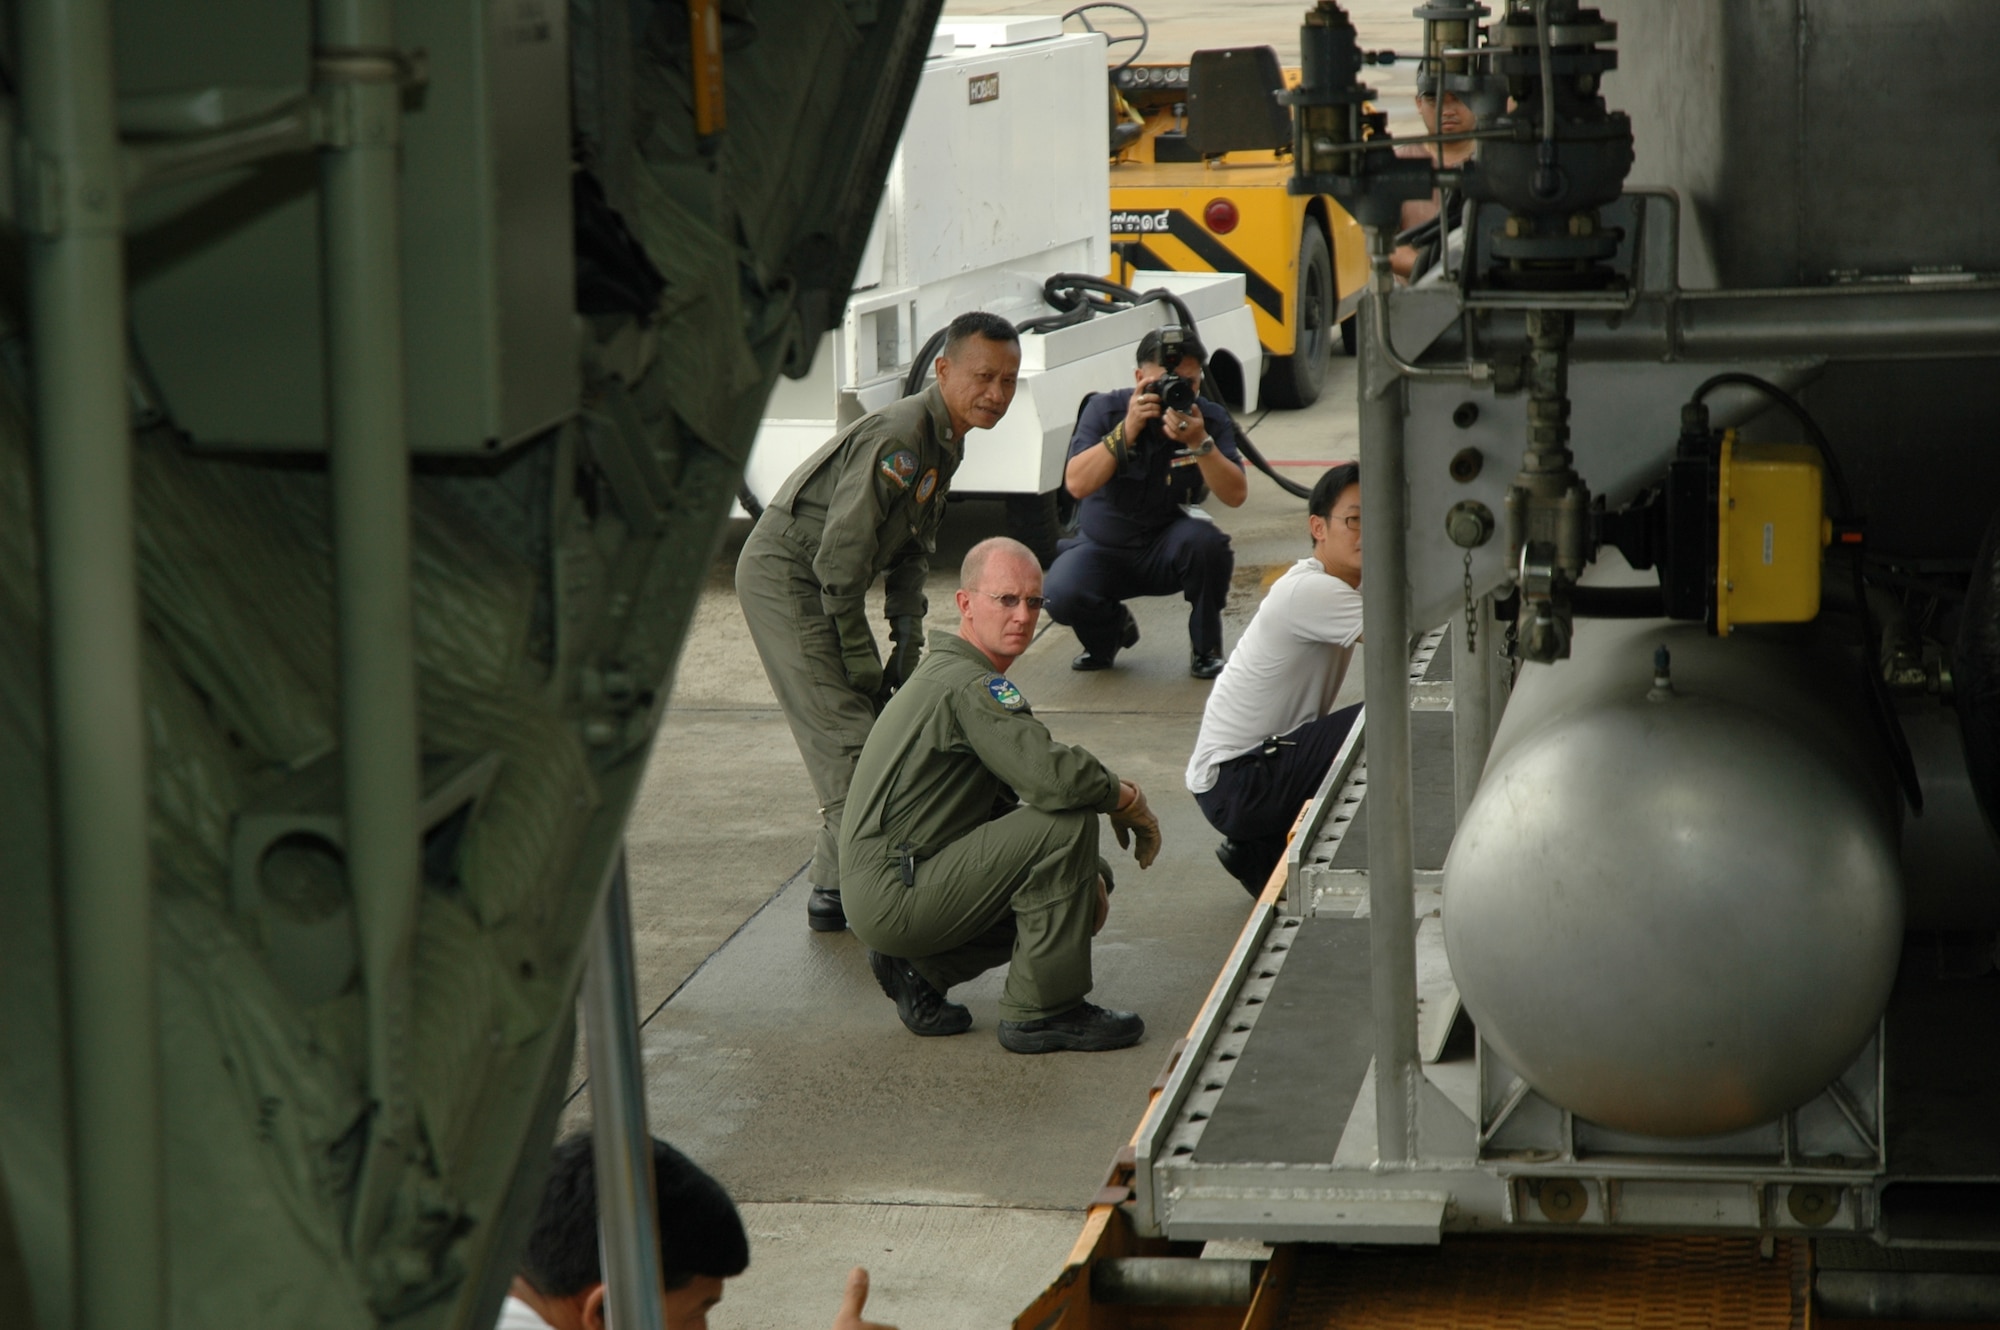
column 1269, row 732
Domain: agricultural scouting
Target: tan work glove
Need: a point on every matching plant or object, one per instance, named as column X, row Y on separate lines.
column 1135, row 822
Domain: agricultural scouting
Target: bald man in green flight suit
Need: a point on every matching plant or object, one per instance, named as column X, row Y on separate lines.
column 869, row 502
column 971, row 833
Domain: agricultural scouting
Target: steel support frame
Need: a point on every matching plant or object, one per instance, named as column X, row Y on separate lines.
column 1385, row 626
column 621, row 1144
column 1152, row 1139
column 1323, row 1203
column 1319, row 887
column 357, row 72
column 1181, row 1197
column 74, row 209
column 1305, row 877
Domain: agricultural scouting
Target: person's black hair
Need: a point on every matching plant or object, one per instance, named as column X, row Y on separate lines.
column 700, row 1231
column 1330, row 487
column 978, row 323
column 1149, row 349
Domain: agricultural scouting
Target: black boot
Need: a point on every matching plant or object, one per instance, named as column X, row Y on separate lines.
column 922, row 1008
column 1250, row 862
column 823, row 911
column 1084, row 1028
column 1128, row 635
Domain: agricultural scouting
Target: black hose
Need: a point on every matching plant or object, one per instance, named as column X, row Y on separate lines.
column 1871, row 633
column 913, row 382
column 1291, row 487
column 1077, row 296
column 1736, row 378
column 1072, row 290
column 1050, row 322
column 1180, row 306
column 1618, row 602
column 1256, row 456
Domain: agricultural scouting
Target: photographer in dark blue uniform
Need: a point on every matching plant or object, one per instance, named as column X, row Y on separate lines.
column 1138, row 458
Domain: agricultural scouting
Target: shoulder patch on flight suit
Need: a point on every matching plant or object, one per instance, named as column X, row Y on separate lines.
column 1005, row 693
column 927, row 486
column 899, row 466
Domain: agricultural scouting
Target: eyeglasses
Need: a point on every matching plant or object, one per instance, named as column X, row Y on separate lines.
column 1009, row 601
column 1352, row 521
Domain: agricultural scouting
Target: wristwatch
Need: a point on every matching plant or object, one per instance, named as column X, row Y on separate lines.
column 1204, row 448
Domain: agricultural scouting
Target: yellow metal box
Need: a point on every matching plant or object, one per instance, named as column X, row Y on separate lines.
column 1772, row 527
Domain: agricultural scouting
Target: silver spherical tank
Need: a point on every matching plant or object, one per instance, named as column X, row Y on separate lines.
column 1677, row 912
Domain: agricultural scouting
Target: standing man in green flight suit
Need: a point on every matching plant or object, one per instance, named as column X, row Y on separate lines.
column 868, row 502
column 946, row 876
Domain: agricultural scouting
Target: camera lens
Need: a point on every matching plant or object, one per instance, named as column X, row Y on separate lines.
column 1177, row 394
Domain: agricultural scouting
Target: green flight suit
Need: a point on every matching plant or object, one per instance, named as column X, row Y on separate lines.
column 1020, row 887
column 867, row 502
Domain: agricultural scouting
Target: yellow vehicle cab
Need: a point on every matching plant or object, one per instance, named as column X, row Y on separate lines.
column 1201, row 155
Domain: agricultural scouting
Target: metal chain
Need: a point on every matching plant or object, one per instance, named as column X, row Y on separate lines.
column 1471, row 611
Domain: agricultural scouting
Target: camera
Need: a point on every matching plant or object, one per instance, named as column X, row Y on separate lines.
column 1176, row 393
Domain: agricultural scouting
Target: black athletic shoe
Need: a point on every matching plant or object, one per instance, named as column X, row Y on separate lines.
column 1128, row 636
column 823, row 911
column 1205, row 664
column 1082, row 1029
column 922, row 1008
column 1249, row 863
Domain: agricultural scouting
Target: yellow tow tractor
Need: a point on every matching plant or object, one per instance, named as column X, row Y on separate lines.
column 1201, row 153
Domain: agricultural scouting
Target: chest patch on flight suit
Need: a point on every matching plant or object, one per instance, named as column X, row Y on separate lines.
column 1005, row 693
column 899, row 466
column 927, row 486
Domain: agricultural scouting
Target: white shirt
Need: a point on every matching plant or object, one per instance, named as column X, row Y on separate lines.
column 518, row 1315
column 1286, row 671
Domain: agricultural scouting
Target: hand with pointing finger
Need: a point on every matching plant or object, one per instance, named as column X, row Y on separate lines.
column 852, row 1301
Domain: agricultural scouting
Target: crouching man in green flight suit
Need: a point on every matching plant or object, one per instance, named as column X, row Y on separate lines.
column 867, row 502
column 944, row 876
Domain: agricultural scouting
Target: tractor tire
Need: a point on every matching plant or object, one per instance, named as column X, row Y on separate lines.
column 1295, row 380
column 1039, row 521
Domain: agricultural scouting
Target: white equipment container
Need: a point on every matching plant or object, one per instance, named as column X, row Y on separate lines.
column 1000, row 181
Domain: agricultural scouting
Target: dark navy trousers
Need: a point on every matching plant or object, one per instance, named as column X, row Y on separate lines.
column 1257, row 797
column 1088, row 584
